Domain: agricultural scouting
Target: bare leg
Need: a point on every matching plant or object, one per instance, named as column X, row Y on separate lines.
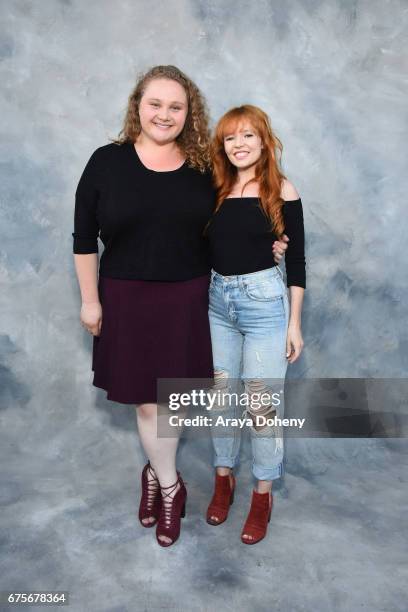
column 161, row 452
column 264, row 486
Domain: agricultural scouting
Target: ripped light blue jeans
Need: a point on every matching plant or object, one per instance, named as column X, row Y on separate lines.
column 249, row 316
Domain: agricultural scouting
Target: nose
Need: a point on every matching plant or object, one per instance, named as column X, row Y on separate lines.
column 239, row 141
column 163, row 114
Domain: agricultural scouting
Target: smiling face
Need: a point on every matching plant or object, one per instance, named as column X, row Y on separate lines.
column 163, row 110
column 243, row 146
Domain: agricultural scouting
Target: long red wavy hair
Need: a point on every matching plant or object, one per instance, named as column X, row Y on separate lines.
column 268, row 172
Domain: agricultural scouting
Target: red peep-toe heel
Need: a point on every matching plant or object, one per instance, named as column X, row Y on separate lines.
column 222, row 499
column 258, row 518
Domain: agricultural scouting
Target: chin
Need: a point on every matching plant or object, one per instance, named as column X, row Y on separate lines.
column 163, row 138
column 243, row 166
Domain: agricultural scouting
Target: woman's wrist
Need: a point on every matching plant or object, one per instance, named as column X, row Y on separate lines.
column 295, row 323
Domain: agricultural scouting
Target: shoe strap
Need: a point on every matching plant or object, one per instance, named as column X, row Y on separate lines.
column 167, row 501
column 152, row 486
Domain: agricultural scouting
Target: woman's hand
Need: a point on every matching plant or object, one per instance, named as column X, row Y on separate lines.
column 294, row 342
column 91, row 317
column 279, row 247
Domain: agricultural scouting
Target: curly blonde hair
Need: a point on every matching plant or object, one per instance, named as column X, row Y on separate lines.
column 194, row 140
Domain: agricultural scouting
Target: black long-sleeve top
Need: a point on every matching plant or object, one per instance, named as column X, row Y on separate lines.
column 150, row 223
column 241, row 241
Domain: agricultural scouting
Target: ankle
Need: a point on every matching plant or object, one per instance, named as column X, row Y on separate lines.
column 169, row 492
column 168, row 480
column 223, row 471
column 264, row 486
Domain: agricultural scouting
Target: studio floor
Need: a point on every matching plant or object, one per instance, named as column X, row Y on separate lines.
column 336, row 540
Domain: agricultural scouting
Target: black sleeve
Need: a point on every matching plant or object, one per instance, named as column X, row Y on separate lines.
column 86, row 227
column 295, row 253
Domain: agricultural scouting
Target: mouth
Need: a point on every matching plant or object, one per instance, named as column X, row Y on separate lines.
column 241, row 154
column 162, row 126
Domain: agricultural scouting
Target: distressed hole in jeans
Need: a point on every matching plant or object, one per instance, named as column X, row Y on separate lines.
column 220, row 388
column 220, row 379
column 259, row 398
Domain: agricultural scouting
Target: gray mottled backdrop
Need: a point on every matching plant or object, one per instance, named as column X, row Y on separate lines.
column 332, row 76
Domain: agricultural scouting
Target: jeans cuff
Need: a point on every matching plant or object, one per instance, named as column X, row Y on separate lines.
column 263, row 473
column 224, row 462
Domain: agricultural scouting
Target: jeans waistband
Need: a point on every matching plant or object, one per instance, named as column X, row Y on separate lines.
column 275, row 271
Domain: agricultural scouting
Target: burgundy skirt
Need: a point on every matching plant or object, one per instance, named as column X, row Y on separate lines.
column 150, row 330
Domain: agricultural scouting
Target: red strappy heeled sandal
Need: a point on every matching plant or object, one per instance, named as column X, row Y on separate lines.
column 172, row 511
column 150, row 503
column 222, row 499
column 258, row 518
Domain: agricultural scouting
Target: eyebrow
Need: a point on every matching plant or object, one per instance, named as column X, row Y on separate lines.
column 158, row 100
column 240, row 131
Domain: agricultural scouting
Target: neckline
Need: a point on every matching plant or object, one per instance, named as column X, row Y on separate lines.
column 256, row 198
column 136, row 155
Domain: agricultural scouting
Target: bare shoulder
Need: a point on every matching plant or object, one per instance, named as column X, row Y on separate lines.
column 288, row 191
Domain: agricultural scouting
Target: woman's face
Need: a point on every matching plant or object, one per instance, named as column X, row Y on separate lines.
column 243, row 146
column 163, row 110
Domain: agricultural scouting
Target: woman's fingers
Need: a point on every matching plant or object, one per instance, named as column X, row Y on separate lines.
column 297, row 349
column 288, row 347
column 91, row 317
column 279, row 247
column 295, row 354
column 95, row 330
column 294, row 347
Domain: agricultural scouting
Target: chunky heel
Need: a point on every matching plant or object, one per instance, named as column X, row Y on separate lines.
column 222, row 499
column 183, row 511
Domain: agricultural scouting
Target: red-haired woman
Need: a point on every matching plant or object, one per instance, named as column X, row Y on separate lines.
column 255, row 332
